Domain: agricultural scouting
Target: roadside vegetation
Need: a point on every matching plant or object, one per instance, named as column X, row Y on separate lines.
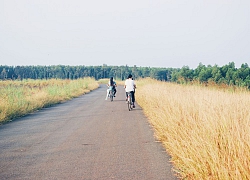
column 18, row 98
column 206, row 130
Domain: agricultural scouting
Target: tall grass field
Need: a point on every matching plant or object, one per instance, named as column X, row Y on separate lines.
column 18, row 98
column 205, row 130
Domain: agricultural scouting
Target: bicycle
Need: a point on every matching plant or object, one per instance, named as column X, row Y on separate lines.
column 129, row 101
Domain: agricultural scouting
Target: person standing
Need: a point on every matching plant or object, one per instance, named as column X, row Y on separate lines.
column 130, row 88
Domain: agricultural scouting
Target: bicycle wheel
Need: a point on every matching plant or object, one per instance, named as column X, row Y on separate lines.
column 128, row 105
column 129, row 102
column 111, row 95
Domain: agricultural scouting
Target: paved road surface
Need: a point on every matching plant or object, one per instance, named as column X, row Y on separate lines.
column 85, row 138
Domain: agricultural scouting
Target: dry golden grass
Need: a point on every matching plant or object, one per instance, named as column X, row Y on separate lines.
column 205, row 130
column 18, row 98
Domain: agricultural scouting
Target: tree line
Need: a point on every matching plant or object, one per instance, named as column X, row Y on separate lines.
column 227, row 74
column 75, row 72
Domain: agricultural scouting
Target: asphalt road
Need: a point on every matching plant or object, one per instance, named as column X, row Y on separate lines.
column 85, row 138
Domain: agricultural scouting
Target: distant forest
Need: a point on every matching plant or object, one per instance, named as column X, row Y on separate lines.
column 227, row 74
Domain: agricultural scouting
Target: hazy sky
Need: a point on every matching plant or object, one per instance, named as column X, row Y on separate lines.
column 147, row 33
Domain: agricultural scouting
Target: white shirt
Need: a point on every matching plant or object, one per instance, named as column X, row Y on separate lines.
column 129, row 83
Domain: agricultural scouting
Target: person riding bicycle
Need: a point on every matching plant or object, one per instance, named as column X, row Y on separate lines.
column 111, row 84
column 130, row 88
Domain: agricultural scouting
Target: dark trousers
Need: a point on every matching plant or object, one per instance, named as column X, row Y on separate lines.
column 132, row 95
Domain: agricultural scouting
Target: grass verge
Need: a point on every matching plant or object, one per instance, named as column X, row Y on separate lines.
column 18, row 98
column 205, row 130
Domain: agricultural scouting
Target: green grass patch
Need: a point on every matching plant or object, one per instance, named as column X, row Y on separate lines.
column 18, row 98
